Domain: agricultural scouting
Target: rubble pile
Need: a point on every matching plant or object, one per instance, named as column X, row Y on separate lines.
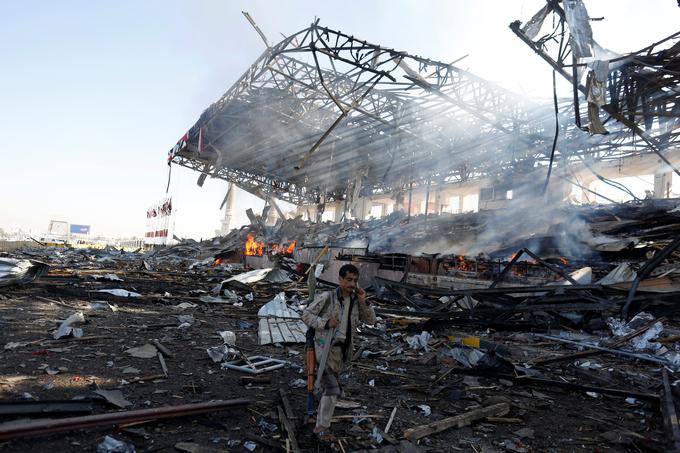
column 630, row 227
column 186, row 348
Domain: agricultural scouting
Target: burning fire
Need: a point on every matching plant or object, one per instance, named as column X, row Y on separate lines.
column 463, row 264
column 253, row 248
column 290, row 248
column 282, row 249
column 564, row 261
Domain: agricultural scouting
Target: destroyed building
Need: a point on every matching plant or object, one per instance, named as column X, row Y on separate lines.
column 510, row 318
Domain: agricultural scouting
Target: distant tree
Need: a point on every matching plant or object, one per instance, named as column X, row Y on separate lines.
column 3, row 234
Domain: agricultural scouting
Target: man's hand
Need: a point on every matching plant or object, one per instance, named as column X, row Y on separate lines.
column 361, row 295
column 332, row 323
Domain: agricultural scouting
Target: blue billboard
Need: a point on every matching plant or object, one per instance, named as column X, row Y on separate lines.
column 80, row 229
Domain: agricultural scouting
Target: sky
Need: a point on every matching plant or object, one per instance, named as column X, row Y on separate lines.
column 94, row 94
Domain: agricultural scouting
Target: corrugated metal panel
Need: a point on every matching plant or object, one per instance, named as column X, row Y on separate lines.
column 279, row 323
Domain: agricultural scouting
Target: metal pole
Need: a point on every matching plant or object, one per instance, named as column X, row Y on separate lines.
column 410, row 197
column 40, row 427
column 427, row 197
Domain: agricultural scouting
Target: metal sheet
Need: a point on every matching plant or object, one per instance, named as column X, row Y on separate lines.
column 280, row 323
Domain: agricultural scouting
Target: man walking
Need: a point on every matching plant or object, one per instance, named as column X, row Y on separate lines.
column 335, row 315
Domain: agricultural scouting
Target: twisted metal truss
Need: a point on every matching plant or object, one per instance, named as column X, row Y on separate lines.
column 323, row 115
column 321, row 110
column 642, row 89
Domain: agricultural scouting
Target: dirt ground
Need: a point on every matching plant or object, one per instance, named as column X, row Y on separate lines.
column 541, row 419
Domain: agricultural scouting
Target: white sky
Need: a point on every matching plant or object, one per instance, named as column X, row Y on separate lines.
column 94, row 94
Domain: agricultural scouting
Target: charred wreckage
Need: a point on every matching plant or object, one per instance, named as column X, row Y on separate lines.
column 532, row 324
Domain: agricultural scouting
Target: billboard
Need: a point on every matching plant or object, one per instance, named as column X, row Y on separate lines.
column 80, row 229
column 158, row 221
column 58, row 228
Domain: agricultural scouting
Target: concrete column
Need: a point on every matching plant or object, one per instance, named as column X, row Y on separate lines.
column 459, row 208
column 438, row 202
column 382, row 206
column 311, row 210
column 364, row 207
column 229, row 210
column 663, row 181
column 338, row 206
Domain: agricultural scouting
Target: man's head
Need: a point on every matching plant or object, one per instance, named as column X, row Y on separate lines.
column 348, row 278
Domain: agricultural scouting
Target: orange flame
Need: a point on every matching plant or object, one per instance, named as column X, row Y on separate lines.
column 564, row 261
column 282, row 249
column 463, row 264
column 290, row 248
column 217, row 262
column 253, row 248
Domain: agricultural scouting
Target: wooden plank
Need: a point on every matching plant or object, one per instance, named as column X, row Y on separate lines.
column 166, row 352
column 289, row 429
column 245, row 380
column 670, row 417
column 263, row 334
column 497, row 410
column 389, row 422
column 164, row 367
column 286, row 405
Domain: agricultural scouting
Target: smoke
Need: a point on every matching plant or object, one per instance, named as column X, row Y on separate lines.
column 544, row 224
column 430, row 133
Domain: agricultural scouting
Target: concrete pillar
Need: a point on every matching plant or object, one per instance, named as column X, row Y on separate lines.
column 663, row 182
column 381, row 211
column 229, row 210
column 364, row 208
column 310, row 211
column 338, row 206
column 458, row 209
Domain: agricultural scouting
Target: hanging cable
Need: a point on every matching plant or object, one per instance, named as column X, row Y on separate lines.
column 614, row 184
column 557, row 133
column 169, row 174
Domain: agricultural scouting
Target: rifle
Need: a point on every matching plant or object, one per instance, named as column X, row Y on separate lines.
column 311, row 365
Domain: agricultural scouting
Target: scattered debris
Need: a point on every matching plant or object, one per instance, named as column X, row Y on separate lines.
column 147, row 351
column 255, row 364
column 20, row 272
column 66, row 329
column 113, row 445
column 119, row 292
column 496, row 410
column 114, row 397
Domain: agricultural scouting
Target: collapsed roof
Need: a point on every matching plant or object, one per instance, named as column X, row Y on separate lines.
column 639, row 91
column 324, row 116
